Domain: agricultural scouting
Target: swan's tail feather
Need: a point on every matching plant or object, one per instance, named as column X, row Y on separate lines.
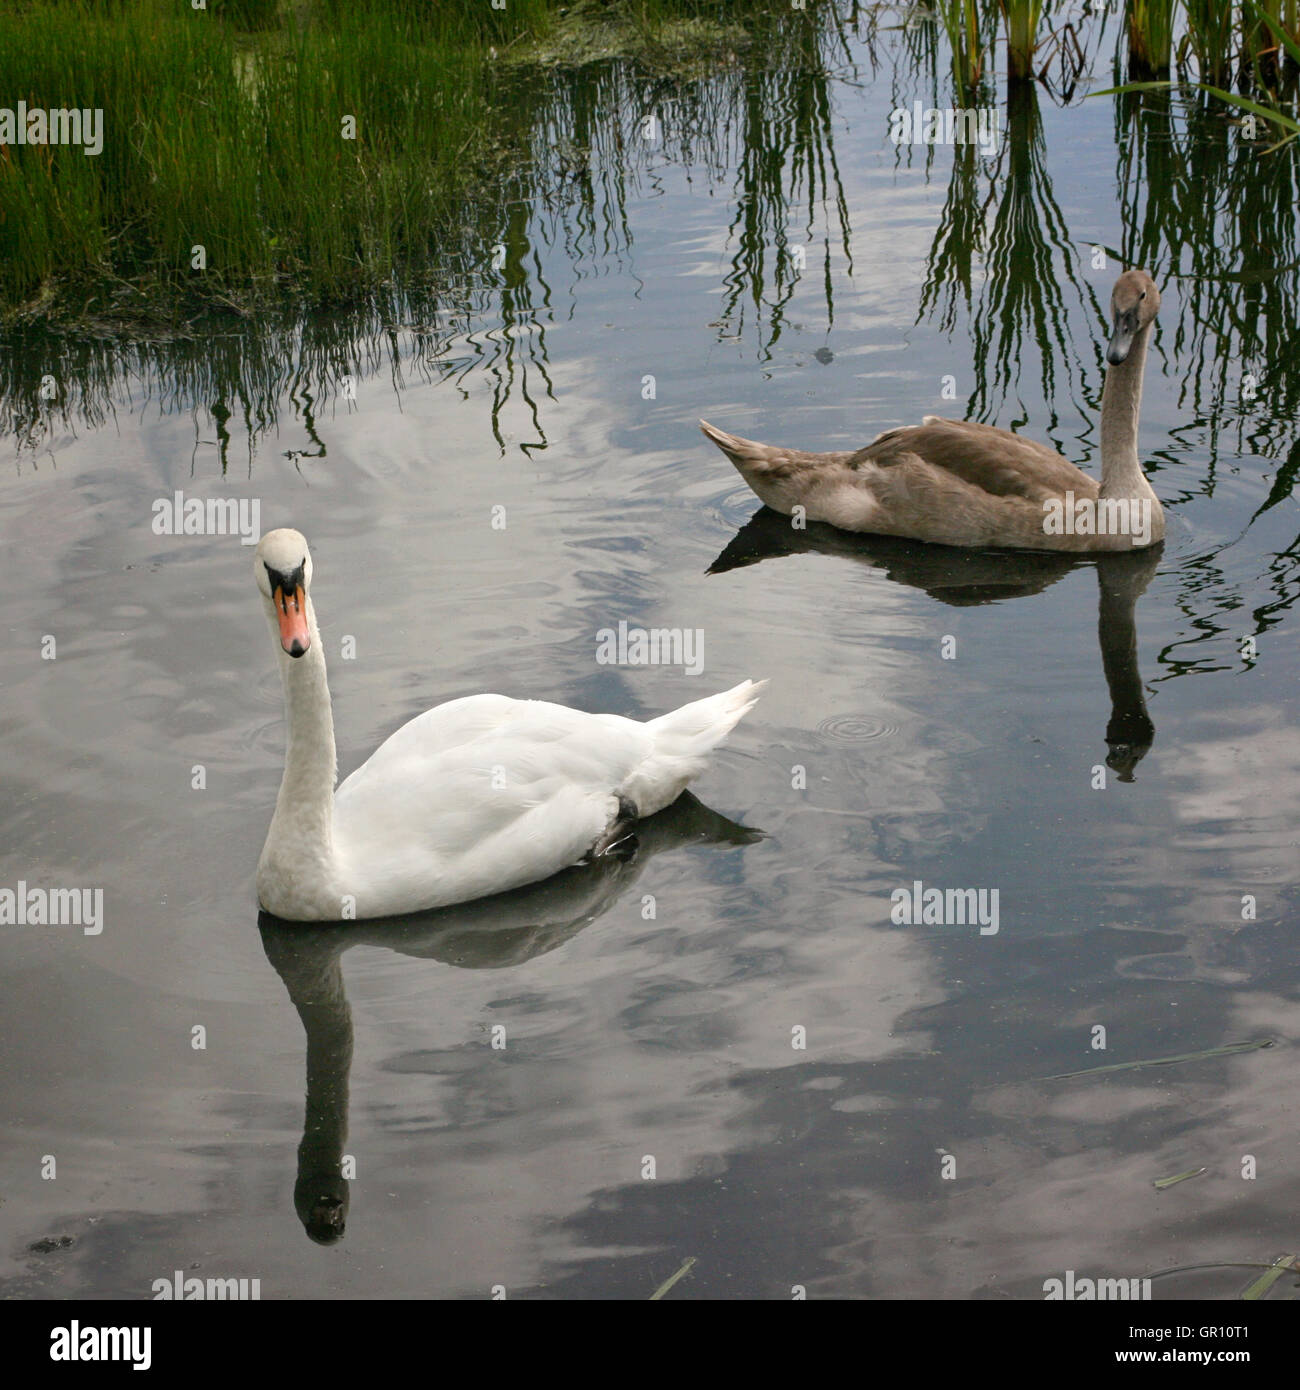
column 683, row 739
column 779, row 476
column 703, row 724
column 744, row 453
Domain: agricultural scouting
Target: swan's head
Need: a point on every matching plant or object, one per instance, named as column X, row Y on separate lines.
column 321, row 1200
column 282, row 568
column 1134, row 302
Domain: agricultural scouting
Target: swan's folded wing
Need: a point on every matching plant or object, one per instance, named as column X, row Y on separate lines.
column 478, row 796
column 466, row 769
column 998, row 462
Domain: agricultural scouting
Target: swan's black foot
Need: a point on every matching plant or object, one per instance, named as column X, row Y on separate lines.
column 624, row 849
column 620, row 839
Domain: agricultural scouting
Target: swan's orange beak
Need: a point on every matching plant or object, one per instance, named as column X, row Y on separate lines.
column 291, row 610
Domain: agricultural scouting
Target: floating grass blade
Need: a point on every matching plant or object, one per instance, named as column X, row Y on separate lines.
column 1259, row 1287
column 1268, row 113
column 669, row 1282
column 1227, row 1050
column 1161, row 1183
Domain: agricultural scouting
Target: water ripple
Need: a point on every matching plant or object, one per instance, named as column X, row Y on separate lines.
column 853, row 728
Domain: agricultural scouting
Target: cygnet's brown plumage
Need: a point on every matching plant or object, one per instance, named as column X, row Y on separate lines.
column 958, row 483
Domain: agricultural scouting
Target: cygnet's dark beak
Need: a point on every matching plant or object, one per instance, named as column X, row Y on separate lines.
column 1121, row 340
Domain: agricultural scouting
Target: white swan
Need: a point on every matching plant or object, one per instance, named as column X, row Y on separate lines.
column 470, row 798
column 954, row 482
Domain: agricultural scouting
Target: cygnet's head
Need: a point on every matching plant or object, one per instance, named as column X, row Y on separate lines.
column 1134, row 302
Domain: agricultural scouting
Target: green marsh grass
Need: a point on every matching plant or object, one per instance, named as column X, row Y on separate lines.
column 253, row 168
column 1149, row 25
column 566, row 156
column 971, row 26
column 248, row 15
column 1022, row 18
column 1270, row 32
column 1210, row 38
column 964, row 26
column 225, row 129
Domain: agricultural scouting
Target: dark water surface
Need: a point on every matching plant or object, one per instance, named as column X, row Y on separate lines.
column 914, row 1145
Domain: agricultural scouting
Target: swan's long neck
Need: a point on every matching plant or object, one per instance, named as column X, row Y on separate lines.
column 1122, row 578
column 1121, row 404
column 311, row 968
column 304, row 809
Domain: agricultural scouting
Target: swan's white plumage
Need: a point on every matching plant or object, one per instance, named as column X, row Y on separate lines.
column 500, row 793
column 473, row 797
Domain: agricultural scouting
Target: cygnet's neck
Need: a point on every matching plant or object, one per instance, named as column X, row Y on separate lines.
column 1121, row 405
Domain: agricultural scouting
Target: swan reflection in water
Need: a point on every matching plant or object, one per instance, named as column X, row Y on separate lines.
column 965, row 578
column 487, row 934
